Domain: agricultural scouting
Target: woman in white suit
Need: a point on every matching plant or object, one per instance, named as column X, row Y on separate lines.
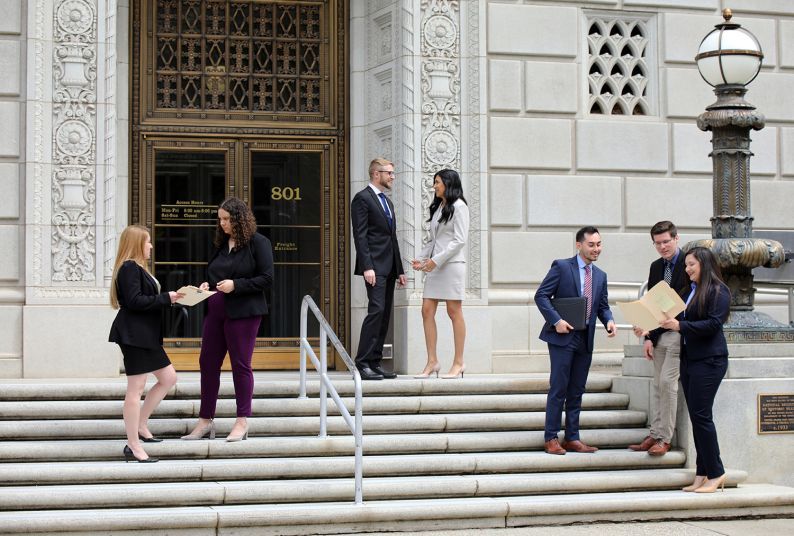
column 443, row 259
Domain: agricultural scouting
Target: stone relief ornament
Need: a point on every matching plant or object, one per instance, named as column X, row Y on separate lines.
column 74, row 142
column 440, row 86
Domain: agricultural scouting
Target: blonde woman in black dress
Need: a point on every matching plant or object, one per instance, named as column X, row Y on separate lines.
column 443, row 259
column 137, row 330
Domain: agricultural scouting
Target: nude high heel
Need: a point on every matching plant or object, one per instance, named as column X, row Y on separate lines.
column 712, row 485
column 699, row 480
column 453, row 376
column 199, row 433
column 435, row 369
column 239, row 437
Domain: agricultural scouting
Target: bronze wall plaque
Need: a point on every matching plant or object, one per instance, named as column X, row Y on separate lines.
column 776, row 413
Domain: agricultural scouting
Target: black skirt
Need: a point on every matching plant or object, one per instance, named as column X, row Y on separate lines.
column 142, row 360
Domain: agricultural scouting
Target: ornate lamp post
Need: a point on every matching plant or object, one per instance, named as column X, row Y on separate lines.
column 729, row 58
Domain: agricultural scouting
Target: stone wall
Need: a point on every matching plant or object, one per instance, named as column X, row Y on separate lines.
column 12, row 184
column 556, row 164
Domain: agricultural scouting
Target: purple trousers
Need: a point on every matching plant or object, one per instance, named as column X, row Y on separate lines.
column 220, row 335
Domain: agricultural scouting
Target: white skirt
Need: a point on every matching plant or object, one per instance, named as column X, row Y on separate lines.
column 447, row 282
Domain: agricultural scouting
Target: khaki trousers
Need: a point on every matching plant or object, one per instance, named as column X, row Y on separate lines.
column 666, row 370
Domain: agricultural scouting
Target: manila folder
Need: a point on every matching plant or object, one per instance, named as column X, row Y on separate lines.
column 657, row 304
column 193, row 295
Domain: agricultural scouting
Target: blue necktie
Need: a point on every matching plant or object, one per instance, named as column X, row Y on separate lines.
column 386, row 209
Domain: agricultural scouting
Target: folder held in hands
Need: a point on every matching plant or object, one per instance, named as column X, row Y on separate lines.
column 657, row 304
column 193, row 295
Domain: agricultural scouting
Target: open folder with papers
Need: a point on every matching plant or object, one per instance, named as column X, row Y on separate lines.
column 657, row 304
column 193, row 295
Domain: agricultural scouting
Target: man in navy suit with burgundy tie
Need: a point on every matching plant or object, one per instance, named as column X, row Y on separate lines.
column 571, row 351
column 378, row 260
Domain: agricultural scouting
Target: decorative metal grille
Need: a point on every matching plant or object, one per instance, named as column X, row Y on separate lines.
column 241, row 58
column 618, row 74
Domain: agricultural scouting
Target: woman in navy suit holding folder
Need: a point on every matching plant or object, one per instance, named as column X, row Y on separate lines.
column 704, row 360
column 137, row 330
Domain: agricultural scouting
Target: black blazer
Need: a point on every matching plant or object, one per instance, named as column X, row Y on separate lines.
column 702, row 335
column 252, row 275
column 376, row 242
column 139, row 320
column 679, row 283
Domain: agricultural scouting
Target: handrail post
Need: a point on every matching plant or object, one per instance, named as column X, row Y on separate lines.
column 358, row 434
column 323, row 379
column 304, row 329
column 791, row 306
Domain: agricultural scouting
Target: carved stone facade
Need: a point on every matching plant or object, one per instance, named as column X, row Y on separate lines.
column 73, row 239
column 498, row 90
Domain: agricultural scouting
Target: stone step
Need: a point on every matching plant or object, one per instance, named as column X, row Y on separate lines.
column 738, row 367
column 281, row 426
column 296, row 446
column 224, row 492
column 771, row 350
column 405, row 515
column 95, row 409
column 198, row 470
column 114, row 389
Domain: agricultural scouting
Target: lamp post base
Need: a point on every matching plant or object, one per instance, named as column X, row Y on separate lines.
column 755, row 327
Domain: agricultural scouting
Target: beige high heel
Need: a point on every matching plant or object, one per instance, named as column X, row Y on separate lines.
column 239, row 437
column 453, row 376
column 200, row 432
column 699, row 480
column 423, row 375
column 712, row 485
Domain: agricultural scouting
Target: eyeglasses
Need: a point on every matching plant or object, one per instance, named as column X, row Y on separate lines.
column 390, row 173
column 662, row 243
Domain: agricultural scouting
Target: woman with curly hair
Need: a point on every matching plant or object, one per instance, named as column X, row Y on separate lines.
column 240, row 269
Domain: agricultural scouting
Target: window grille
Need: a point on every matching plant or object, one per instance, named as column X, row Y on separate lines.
column 618, row 71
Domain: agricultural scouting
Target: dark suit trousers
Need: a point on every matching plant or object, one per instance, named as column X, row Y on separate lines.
column 569, row 368
column 376, row 323
column 700, row 380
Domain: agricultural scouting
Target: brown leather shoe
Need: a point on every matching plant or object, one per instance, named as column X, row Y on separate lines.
column 659, row 449
column 647, row 443
column 578, row 446
column 552, row 446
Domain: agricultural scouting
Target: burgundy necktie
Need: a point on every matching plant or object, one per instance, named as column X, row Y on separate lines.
column 588, row 290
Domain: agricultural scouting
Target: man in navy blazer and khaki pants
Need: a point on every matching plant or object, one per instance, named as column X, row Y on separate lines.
column 572, row 351
column 378, row 259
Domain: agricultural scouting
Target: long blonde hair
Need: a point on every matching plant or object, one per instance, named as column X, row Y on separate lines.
column 131, row 243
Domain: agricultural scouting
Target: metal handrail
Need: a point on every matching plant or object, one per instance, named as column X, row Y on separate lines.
column 326, row 386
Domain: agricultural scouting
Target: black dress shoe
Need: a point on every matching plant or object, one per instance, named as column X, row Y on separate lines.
column 369, row 374
column 149, row 439
column 385, row 374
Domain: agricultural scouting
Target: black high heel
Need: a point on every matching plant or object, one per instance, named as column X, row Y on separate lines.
column 129, row 456
column 149, row 439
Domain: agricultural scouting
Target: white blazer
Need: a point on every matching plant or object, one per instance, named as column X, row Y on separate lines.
column 448, row 239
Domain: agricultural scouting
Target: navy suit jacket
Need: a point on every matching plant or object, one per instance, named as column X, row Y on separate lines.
column 376, row 242
column 702, row 333
column 562, row 281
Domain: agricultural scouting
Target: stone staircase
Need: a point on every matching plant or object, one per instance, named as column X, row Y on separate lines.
column 438, row 454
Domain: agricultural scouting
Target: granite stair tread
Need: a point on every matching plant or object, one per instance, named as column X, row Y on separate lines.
column 480, row 512
column 207, row 469
column 111, row 409
column 301, row 446
column 222, row 492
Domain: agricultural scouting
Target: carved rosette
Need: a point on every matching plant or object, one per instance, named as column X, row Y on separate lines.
column 440, row 85
column 73, row 238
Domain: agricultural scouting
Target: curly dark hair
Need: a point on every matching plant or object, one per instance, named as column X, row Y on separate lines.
column 242, row 220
